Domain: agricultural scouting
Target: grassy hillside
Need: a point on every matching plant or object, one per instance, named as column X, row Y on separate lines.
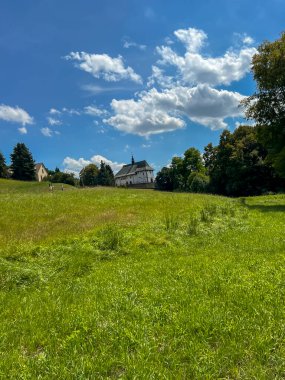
column 12, row 186
column 115, row 283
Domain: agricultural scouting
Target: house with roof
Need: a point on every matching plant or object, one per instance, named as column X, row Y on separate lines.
column 137, row 174
column 41, row 171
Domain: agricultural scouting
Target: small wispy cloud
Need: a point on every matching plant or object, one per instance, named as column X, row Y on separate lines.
column 145, row 146
column 95, row 111
column 95, row 89
column 23, row 130
column 54, row 111
column 52, row 121
column 47, row 132
column 128, row 43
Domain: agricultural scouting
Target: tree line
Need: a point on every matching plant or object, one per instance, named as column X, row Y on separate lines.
column 251, row 160
column 23, row 168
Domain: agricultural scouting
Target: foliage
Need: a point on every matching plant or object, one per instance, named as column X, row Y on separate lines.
column 22, row 163
column 105, row 175
column 164, row 179
column 237, row 165
column 89, row 175
column 266, row 105
column 106, row 279
column 3, row 167
column 57, row 176
column 176, row 176
column 198, row 182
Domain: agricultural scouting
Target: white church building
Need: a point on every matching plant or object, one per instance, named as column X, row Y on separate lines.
column 137, row 174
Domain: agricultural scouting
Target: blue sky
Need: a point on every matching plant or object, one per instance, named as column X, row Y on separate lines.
column 82, row 80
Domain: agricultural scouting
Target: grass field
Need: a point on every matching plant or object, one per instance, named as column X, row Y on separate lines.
column 132, row 284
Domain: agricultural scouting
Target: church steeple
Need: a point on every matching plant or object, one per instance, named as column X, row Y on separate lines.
column 133, row 160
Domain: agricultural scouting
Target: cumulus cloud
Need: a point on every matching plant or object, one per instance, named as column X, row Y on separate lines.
column 194, row 68
column 47, row 132
column 72, row 165
column 15, row 114
column 192, row 38
column 23, row 130
column 103, row 66
column 157, row 112
column 158, row 76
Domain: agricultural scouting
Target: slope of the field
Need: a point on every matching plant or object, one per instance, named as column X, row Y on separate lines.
column 114, row 283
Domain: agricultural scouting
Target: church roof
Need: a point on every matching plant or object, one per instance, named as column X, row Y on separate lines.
column 133, row 168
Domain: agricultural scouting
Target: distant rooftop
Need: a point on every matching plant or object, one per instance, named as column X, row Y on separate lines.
column 133, row 168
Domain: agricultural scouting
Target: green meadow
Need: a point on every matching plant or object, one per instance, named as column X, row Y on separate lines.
column 111, row 283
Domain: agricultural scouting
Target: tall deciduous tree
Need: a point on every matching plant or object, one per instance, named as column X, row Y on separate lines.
column 3, row 167
column 237, row 165
column 89, row 175
column 267, row 105
column 22, row 163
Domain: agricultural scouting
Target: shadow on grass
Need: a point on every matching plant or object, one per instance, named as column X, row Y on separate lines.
column 263, row 208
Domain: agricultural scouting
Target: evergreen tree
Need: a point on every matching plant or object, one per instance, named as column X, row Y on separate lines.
column 106, row 175
column 3, row 167
column 22, row 163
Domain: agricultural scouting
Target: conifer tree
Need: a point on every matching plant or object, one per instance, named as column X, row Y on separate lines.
column 3, row 167
column 22, row 163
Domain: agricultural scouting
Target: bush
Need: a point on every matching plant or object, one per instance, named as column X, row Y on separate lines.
column 198, row 182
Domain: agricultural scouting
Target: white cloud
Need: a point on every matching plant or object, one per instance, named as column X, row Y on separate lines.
column 15, row 114
column 52, row 121
column 54, row 111
column 71, row 111
column 194, row 68
column 95, row 89
column 74, row 166
column 142, row 117
column 95, row 111
column 129, row 44
column 23, row 130
column 192, row 38
column 103, row 66
column 157, row 112
column 158, row 76
column 47, row 132
column 145, row 146
column 248, row 40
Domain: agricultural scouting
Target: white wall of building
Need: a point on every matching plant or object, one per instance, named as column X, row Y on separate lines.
column 141, row 176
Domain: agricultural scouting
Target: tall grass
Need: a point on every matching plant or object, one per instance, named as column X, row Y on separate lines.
column 104, row 284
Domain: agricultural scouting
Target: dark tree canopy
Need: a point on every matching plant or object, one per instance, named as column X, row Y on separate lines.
column 57, row 176
column 164, row 179
column 106, row 175
column 237, row 165
column 89, row 175
column 267, row 105
column 176, row 177
column 22, row 163
column 3, row 167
